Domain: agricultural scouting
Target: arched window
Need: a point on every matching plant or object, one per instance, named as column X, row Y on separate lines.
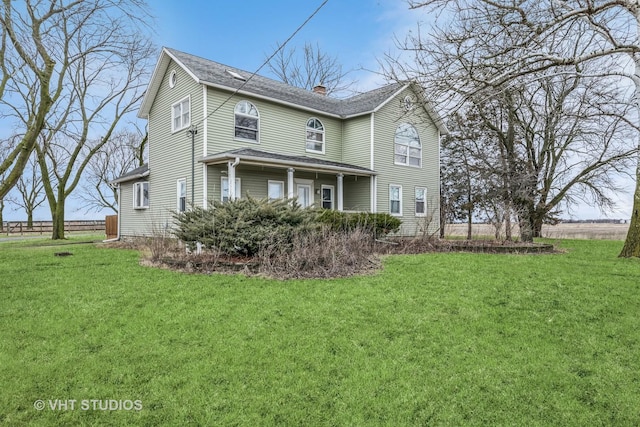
column 246, row 121
column 408, row 150
column 315, row 136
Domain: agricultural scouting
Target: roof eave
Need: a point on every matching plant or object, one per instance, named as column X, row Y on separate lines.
column 270, row 99
column 130, row 178
column 261, row 161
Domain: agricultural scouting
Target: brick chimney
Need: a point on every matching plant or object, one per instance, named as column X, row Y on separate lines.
column 320, row 90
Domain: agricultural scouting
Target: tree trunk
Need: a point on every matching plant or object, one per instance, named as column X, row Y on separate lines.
column 469, row 223
column 30, row 219
column 537, row 222
column 1, row 215
column 631, row 246
column 507, row 225
column 58, row 221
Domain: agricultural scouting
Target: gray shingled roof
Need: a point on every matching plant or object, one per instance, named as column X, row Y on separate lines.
column 214, row 73
column 139, row 172
column 286, row 160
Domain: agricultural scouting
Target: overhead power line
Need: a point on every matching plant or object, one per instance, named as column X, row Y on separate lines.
column 280, row 47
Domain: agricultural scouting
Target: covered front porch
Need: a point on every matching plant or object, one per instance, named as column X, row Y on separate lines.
column 314, row 182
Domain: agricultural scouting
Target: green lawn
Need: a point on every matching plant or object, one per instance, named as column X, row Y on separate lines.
column 434, row 339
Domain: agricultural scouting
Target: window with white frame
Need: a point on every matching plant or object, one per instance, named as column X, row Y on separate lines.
column 224, row 185
column 275, row 190
column 395, row 199
column 181, row 114
column 327, row 196
column 181, row 195
column 315, row 136
column 408, row 150
column 247, row 121
column 141, row 195
column 421, row 201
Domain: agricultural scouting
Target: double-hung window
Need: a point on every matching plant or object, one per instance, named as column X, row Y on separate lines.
column 181, row 114
column 181, row 192
column 141, row 195
column 315, row 136
column 395, row 200
column 247, row 121
column 408, row 150
column 421, row 201
column 224, row 194
column 275, row 190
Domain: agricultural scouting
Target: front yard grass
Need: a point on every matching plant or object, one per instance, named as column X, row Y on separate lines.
column 437, row 339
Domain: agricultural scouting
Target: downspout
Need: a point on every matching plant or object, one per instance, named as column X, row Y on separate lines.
column 373, row 179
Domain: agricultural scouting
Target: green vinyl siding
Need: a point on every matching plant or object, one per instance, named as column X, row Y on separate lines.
column 356, row 149
column 386, row 121
column 357, row 193
column 133, row 222
column 170, row 153
column 282, row 129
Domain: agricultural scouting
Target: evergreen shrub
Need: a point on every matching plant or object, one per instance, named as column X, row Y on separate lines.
column 243, row 226
column 377, row 224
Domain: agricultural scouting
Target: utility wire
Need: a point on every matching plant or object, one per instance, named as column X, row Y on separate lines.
column 280, row 47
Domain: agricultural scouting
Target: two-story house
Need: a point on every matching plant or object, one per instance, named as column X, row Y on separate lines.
column 220, row 133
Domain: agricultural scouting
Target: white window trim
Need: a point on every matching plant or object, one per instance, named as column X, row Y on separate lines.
column 281, row 183
column 408, row 149
column 173, row 117
column 416, row 201
column 238, row 187
column 333, row 195
column 237, row 138
column 138, row 195
column 323, row 132
column 400, row 207
column 178, row 182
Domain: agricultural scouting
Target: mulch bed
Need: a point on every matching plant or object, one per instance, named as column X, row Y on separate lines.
column 417, row 246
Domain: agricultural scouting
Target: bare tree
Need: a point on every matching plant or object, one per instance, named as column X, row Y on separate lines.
column 491, row 48
column 48, row 47
column 310, row 68
column 6, row 147
column 104, row 90
column 30, row 190
column 125, row 150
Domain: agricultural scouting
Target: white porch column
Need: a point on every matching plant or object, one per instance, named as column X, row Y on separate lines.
column 231, row 176
column 339, row 191
column 290, row 192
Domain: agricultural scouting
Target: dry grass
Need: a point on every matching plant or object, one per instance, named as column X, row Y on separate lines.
column 588, row 231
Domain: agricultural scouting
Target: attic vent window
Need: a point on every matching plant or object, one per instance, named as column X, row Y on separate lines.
column 173, row 78
column 235, row 75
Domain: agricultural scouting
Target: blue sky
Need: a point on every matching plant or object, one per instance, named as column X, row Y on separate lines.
column 357, row 32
